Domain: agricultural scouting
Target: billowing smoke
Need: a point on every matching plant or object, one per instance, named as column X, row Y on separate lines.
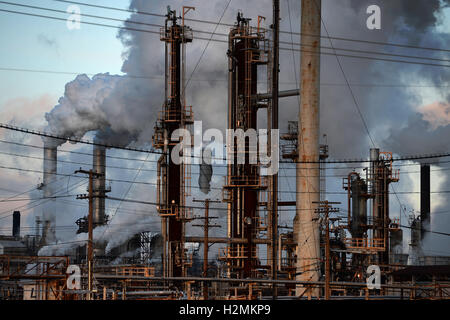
column 122, row 109
column 206, row 171
column 82, row 108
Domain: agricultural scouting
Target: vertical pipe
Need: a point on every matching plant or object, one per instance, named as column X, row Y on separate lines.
column 205, row 250
column 16, row 224
column 99, row 166
column 306, row 227
column 90, row 236
column 327, row 254
column 424, row 198
column 375, row 189
column 274, row 126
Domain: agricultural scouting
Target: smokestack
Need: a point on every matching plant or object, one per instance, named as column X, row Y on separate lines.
column 424, row 198
column 50, row 170
column 306, row 225
column 16, row 224
column 99, row 166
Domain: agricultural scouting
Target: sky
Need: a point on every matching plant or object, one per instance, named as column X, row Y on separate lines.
column 405, row 106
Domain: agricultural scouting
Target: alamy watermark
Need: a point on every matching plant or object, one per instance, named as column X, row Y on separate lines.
column 374, row 20
column 242, row 147
column 74, row 20
column 373, row 280
column 74, row 279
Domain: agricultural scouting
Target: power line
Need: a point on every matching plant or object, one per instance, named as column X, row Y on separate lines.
column 224, row 41
column 378, row 85
column 154, row 161
column 70, row 139
column 126, row 194
column 39, row 202
column 34, row 199
column 284, row 32
column 348, row 84
column 430, row 231
column 207, row 44
column 35, row 132
column 222, row 34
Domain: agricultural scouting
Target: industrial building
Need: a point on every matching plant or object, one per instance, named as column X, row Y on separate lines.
column 320, row 256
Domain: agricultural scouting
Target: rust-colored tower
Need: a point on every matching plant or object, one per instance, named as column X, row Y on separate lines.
column 173, row 178
column 246, row 51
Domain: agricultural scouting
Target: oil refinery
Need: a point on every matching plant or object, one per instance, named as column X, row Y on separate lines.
column 266, row 207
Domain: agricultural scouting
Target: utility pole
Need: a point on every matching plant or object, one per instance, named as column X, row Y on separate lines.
column 325, row 209
column 206, row 227
column 90, row 251
column 306, row 227
column 274, row 207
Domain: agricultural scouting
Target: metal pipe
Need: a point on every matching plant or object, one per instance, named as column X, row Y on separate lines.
column 424, row 198
column 274, row 126
column 281, row 94
column 99, row 188
column 16, row 224
column 297, row 282
column 225, row 240
column 306, row 226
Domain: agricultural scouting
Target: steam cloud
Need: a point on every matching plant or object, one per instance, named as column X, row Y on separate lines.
column 124, row 107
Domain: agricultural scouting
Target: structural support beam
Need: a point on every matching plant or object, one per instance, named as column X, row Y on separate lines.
column 306, row 226
column 281, row 94
column 198, row 239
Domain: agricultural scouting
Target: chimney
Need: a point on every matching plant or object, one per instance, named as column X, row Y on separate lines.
column 424, row 198
column 50, row 168
column 16, row 224
column 99, row 166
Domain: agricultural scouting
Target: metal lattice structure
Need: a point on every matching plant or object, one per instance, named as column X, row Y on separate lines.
column 173, row 179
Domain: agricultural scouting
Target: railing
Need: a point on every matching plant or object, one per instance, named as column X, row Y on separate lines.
column 184, row 33
column 289, row 150
column 33, row 266
column 167, row 211
column 135, row 271
column 249, row 181
column 171, row 115
column 365, row 244
column 236, row 253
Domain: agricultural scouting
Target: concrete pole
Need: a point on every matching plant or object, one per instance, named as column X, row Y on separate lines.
column 306, row 226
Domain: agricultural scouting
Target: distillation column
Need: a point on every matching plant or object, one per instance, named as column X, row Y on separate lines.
column 243, row 180
column 172, row 176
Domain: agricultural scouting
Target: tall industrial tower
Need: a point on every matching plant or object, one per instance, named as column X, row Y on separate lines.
column 173, row 179
column 247, row 49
